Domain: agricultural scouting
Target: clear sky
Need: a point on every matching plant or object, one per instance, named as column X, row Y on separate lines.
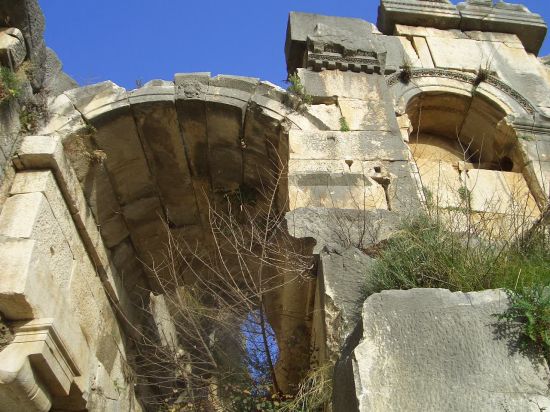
column 138, row 40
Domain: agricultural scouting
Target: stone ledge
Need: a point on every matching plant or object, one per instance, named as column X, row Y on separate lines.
column 440, row 14
column 504, row 18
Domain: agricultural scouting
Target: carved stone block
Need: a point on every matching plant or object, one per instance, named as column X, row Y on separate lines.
column 35, row 367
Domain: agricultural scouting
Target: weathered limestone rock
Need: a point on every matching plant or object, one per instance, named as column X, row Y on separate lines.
column 441, row 14
column 302, row 25
column 433, row 350
column 56, row 81
column 27, row 16
column 504, row 17
column 84, row 216
column 12, row 48
column 342, row 227
column 341, row 279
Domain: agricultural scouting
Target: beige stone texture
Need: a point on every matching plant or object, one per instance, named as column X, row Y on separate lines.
column 510, row 40
column 47, row 152
column 345, row 84
column 29, row 216
column 405, row 126
column 63, row 119
column 500, row 192
column 458, row 54
column 343, row 146
column 409, row 53
column 13, row 50
column 363, row 114
column 164, row 321
column 333, row 184
column 409, row 31
column 159, row 133
column 327, row 114
column 49, row 354
column 125, row 161
column 95, row 100
column 441, row 181
column 423, row 51
column 20, row 387
column 27, row 289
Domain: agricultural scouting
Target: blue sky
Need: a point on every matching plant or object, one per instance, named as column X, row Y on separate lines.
column 138, row 40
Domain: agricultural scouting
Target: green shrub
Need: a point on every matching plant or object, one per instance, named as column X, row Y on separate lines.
column 530, row 306
column 296, row 88
column 9, row 85
column 426, row 254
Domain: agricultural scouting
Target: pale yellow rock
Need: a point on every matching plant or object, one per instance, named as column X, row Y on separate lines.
column 458, row 54
column 328, row 114
column 423, row 51
column 30, row 216
column 500, row 192
column 409, row 53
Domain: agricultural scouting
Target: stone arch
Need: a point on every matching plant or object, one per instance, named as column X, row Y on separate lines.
column 462, row 144
column 148, row 154
column 441, row 80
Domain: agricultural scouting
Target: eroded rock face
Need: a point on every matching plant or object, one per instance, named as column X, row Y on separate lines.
column 433, row 350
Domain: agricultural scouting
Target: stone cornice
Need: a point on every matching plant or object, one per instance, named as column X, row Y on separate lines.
column 470, row 79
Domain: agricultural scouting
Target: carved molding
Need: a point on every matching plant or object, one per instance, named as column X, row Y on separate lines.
column 469, row 79
column 330, row 61
column 36, row 367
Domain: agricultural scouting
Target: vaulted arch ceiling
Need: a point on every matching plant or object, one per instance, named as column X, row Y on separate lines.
column 158, row 154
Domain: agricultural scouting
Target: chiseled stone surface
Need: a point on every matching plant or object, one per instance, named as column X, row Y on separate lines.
column 12, row 48
column 85, row 208
column 433, row 350
column 341, row 280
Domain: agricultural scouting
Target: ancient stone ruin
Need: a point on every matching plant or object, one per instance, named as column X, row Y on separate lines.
column 437, row 107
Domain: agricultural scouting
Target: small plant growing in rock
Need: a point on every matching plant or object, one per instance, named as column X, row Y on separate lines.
column 406, row 72
column 297, row 89
column 344, row 127
column 482, row 75
column 484, row 72
column 526, row 137
column 32, row 115
column 9, row 85
column 81, row 146
column 465, row 196
column 531, row 307
column 428, row 196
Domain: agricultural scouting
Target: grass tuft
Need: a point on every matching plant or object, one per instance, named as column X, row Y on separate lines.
column 344, row 126
column 10, row 86
column 297, row 89
column 426, row 254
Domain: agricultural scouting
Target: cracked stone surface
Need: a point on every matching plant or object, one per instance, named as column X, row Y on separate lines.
column 433, row 350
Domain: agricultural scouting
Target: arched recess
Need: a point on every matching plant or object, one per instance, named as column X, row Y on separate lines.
column 160, row 153
column 463, row 143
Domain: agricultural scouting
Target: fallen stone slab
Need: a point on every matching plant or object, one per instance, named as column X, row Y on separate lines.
column 433, row 350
